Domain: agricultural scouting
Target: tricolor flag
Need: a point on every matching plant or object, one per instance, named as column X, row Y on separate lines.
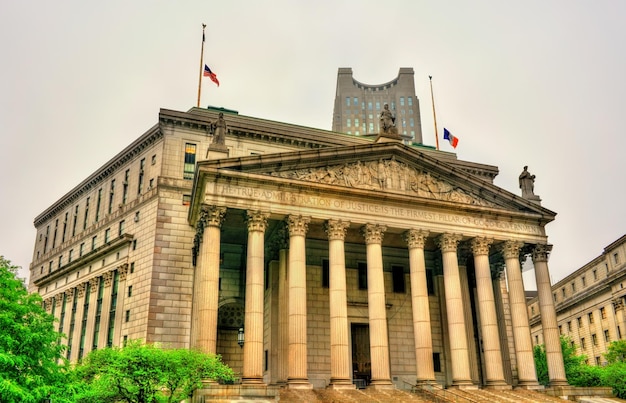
column 448, row 136
column 211, row 75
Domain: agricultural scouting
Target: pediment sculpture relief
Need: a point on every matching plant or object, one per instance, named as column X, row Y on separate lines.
column 385, row 174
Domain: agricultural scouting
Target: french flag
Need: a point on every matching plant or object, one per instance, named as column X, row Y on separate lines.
column 448, row 136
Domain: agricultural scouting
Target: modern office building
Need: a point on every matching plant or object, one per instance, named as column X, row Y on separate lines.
column 358, row 106
column 305, row 257
column 589, row 304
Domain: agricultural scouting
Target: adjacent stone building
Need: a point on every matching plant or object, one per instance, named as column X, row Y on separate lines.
column 305, row 257
column 358, row 105
column 589, row 304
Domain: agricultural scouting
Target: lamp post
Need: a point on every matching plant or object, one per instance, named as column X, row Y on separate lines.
column 240, row 337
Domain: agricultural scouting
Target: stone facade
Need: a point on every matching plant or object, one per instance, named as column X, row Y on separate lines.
column 589, row 304
column 345, row 261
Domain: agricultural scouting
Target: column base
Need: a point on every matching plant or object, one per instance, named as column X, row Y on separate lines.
column 463, row 385
column 381, row 384
column 252, row 381
column 558, row 383
column 301, row 383
column 530, row 386
column 341, row 384
column 498, row 385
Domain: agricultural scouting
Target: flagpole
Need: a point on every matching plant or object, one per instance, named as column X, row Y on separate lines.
column 201, row 62
column 432, row 97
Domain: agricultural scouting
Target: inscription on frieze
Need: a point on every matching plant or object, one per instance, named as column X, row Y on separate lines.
column 336, row 204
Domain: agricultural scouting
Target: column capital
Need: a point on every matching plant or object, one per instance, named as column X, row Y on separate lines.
column 448, row 242
column 618, row 304
column 256, row 220
column 373, row 233
column 58, row 299
column 511, row 249
column 93, row 284
column 298, row 225
column 81, row 289
column 108, row 278
column 336, row 229
column 540, row 252
column 416, row 238
column 47, row 303
column 123, row 270
column 212, row 216
column 480, row 246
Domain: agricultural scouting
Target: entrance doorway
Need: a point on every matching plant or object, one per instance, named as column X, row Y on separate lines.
column 361, row 361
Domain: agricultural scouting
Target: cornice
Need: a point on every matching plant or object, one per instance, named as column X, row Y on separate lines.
column 107, row 170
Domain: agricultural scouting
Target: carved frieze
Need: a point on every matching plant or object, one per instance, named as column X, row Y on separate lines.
column 385, row 174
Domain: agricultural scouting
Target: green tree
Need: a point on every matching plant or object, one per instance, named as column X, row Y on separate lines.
column 29, row 346
column 144, row 373
column 616, row 352
column 576, row 371
column 614, row 374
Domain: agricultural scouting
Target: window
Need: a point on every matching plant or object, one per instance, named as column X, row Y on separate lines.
column 98, row 203
column 81, row 249
column 134, row 244
column 603, row 313
column 594, row 339
column 580, row 322
column 362, row 275
column 75, row 221
column 132, row 267
column 125, row 186
column 583, row 281
column 532, row 310
column 536, row 339
column 142, row 165
column 154, row 159
column 50, row 266
column 127, row 316
column 430, row 283
column 130, row 290
column 597, row 360
column 60, row 261
column 54, row 238
column 569, row 326
column 186, row 200
column 573, row 288
column 93, row 242
column 616, row 258
column 563, row 292
column 582, row 343
column 347, row 101
column 348, row 122
column 590, row 315
column 64, row 227
column 190, row 161
column 607, row 338
column 397, row 275
column 595, row 274
column 437, row 362
column 410, row 100
column 377, row 105
column 401, row 101
column 111, row 196
column 107, row 235
column 355, row 101
column 325, row 273
column 86, row 213
column 121, row 228
column 70, row 255
column 560, row 329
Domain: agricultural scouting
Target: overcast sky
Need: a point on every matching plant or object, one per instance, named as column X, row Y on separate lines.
column 537, row 83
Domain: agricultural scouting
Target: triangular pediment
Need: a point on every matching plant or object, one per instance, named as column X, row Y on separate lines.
column 383, row 169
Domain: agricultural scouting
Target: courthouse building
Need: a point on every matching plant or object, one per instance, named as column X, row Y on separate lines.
column 305, row 257
column 590, row 304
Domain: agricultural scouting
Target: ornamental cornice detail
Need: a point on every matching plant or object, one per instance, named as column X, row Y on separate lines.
column 385, row 174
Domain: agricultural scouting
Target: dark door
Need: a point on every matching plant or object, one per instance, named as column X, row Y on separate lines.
column 361, row 361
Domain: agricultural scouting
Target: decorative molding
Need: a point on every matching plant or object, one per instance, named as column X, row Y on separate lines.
column 108, row 278
column 123, row 271
column 93, row 284
column 81, row 289
column 385, row 174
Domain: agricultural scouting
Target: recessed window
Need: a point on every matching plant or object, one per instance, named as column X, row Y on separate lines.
column 437, row 362
column 603, row 313
column 190, row 161
column 590, row 316
column 107, row 235
column 325, row 273
column 154, row 159
column 130, row 290
column 607, row 338
column 397, row 275
column 127, row 316
column 362, row 275
column 582, row 343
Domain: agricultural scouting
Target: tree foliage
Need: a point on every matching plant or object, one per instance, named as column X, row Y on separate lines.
column 30, row 351
column 577, row 372
column 141, row 373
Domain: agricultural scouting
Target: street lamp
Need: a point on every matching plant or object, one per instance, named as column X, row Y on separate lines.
column 240, row 338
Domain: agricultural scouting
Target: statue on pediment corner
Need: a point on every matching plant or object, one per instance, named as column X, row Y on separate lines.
column 218, row 128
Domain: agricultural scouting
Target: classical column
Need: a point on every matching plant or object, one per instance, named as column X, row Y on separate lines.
column 461, row 376
column 283, row 308
column 377, row 309
column 527, row 377
column 70, row 294
column 549, row 325
column 421, row 309
column 91, row 317
column 253, row 322
column 78, row 319
column 120, row 315
column 298, row 376
column 206, row 281
column 618, row 308
column 106, row 310
column 494, row 371
column 340, row 371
